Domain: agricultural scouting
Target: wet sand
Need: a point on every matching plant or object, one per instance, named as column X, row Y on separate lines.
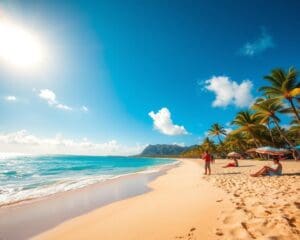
column 33, row 217
column 181, row 205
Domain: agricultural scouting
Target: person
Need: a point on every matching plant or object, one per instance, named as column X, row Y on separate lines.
column 235, row 163
column 207, row 158
column 274, row 170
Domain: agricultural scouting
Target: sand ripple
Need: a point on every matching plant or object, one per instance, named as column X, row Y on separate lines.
column 264, row 207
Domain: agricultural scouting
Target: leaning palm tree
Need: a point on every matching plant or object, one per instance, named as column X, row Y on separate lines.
column 266, row 110
column 295, row 129
column 295, row 121
column 267, row 122
column 284, row 85
column 248, row 122
column 217, row 130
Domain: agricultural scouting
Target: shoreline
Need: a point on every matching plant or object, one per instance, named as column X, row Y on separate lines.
column 152, row 169
column 35, row 216
column 180, row 205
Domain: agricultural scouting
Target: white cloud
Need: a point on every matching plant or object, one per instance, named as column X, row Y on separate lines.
column 10, row 98
column 84, row 109
column 50, row 97
column 229, row 92
column 24, row 142
column 262, row 43
column 64, row 107
column 163, row 123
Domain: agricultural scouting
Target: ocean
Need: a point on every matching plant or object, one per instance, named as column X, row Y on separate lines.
column 24, row 177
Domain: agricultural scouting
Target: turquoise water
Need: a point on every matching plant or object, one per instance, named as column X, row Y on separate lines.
column 27, row 177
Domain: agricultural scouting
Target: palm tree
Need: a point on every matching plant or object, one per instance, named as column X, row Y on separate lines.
column 295, row 130
column 266, row 110
column 284, row 85
column 208, row 145
column 267, row 122
column 217, row 130
column 236, row 142
column 248, row 122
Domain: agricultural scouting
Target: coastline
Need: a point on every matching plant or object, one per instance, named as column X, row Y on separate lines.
column 180, row 205
column 21, row 185
column 151, row 169
column 35, row 215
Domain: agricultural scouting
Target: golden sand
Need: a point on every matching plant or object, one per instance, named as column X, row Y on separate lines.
column 184, row 204
column 264, row 207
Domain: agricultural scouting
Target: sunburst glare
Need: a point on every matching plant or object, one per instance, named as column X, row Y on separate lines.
column 19, row 47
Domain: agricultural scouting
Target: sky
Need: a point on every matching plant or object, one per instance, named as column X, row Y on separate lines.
column 111, row 77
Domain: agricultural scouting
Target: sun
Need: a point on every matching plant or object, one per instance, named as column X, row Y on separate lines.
column 18, row 46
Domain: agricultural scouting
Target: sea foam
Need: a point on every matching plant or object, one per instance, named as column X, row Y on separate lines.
column 24, row 177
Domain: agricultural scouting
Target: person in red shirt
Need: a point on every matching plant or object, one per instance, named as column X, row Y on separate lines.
column 207, row 158
column 235, row 163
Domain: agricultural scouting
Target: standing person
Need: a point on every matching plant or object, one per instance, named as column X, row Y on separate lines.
column 207, row 158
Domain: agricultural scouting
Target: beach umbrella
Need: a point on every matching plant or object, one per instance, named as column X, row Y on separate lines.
column 251, row 150
column 272, row 151
column 233, row 154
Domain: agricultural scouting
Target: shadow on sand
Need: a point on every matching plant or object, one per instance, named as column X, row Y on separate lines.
column 247, row 166
column 291, row 174
column 229, row 173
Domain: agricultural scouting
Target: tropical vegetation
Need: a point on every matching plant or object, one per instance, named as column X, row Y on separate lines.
column 261, row 124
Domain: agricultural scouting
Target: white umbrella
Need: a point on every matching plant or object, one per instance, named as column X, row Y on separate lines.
column 233, row 154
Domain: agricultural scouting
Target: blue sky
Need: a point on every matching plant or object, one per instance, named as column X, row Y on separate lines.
column 133, row 73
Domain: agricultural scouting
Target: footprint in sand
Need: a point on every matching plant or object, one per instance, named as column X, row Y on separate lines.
column 189, row 236
column 227, row 220
column 245, row 226
column 297, row 204
column 268, row 212
column 219, row 232
column 290, row 221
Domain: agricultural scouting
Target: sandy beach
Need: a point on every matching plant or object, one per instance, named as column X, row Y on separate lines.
column 262, row 207
column 112, row 111
column 181, row 205
column 184, row 204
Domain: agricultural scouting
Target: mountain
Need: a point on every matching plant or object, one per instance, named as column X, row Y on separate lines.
column 159, row 150
column 192, row 152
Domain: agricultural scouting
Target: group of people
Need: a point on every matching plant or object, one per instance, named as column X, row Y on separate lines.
column 274, row 170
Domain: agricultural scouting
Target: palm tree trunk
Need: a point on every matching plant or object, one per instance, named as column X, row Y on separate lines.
column 287, row 141
column 220, row 141
column 294, row 109
column 271, row 135
column 282, row 135
column 254, row 139
column 256, row 144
